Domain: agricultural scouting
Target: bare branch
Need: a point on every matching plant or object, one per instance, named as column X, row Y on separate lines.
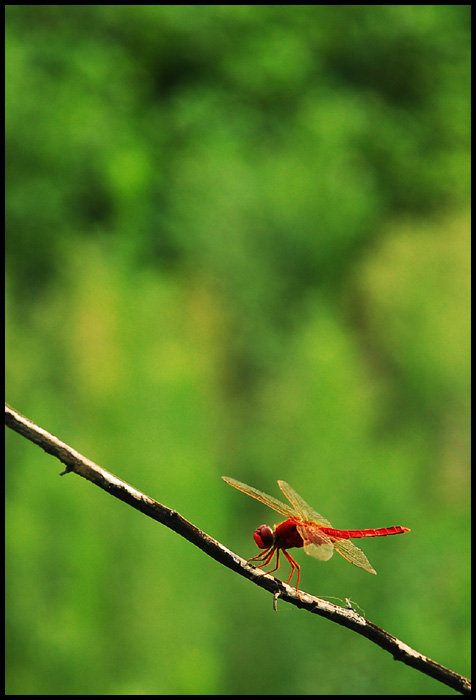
column 347, row 617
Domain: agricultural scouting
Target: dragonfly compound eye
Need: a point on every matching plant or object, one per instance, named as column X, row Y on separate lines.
column 264, row 537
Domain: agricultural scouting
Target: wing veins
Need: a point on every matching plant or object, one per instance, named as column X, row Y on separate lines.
column 303, row 510
column 269, row 501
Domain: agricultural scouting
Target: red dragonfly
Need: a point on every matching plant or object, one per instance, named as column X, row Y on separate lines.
column 304, row 527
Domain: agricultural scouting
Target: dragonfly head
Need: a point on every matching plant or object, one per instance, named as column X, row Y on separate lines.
column 264, row 537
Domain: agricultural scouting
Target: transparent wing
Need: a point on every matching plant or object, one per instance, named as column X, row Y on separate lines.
column 316, row 542
column 353, row 554
column 320, row 545
column 269, row 501
column 302, row 509
column 321, row 552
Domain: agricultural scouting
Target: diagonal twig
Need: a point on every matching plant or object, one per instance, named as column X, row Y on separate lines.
column 347, row 617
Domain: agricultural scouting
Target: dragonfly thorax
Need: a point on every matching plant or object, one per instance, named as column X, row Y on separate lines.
column 284, row 536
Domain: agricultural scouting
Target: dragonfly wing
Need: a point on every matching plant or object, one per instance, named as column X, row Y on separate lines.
column 302, row 509
column 353, row 554
column 316, row 543
column 269, row 501
column 320, row 545
column 322, row 552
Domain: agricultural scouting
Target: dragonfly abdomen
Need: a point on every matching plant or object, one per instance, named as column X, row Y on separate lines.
column 378, row 532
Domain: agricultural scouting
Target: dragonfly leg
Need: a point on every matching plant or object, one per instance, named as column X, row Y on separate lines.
column 294, row 565
column 266, row 558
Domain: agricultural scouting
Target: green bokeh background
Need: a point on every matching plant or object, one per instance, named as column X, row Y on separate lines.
column 237, row 243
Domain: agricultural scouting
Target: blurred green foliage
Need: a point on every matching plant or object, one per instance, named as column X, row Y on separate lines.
column 237, row 243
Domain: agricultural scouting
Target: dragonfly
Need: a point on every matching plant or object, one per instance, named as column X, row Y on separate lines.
column 304, row 527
